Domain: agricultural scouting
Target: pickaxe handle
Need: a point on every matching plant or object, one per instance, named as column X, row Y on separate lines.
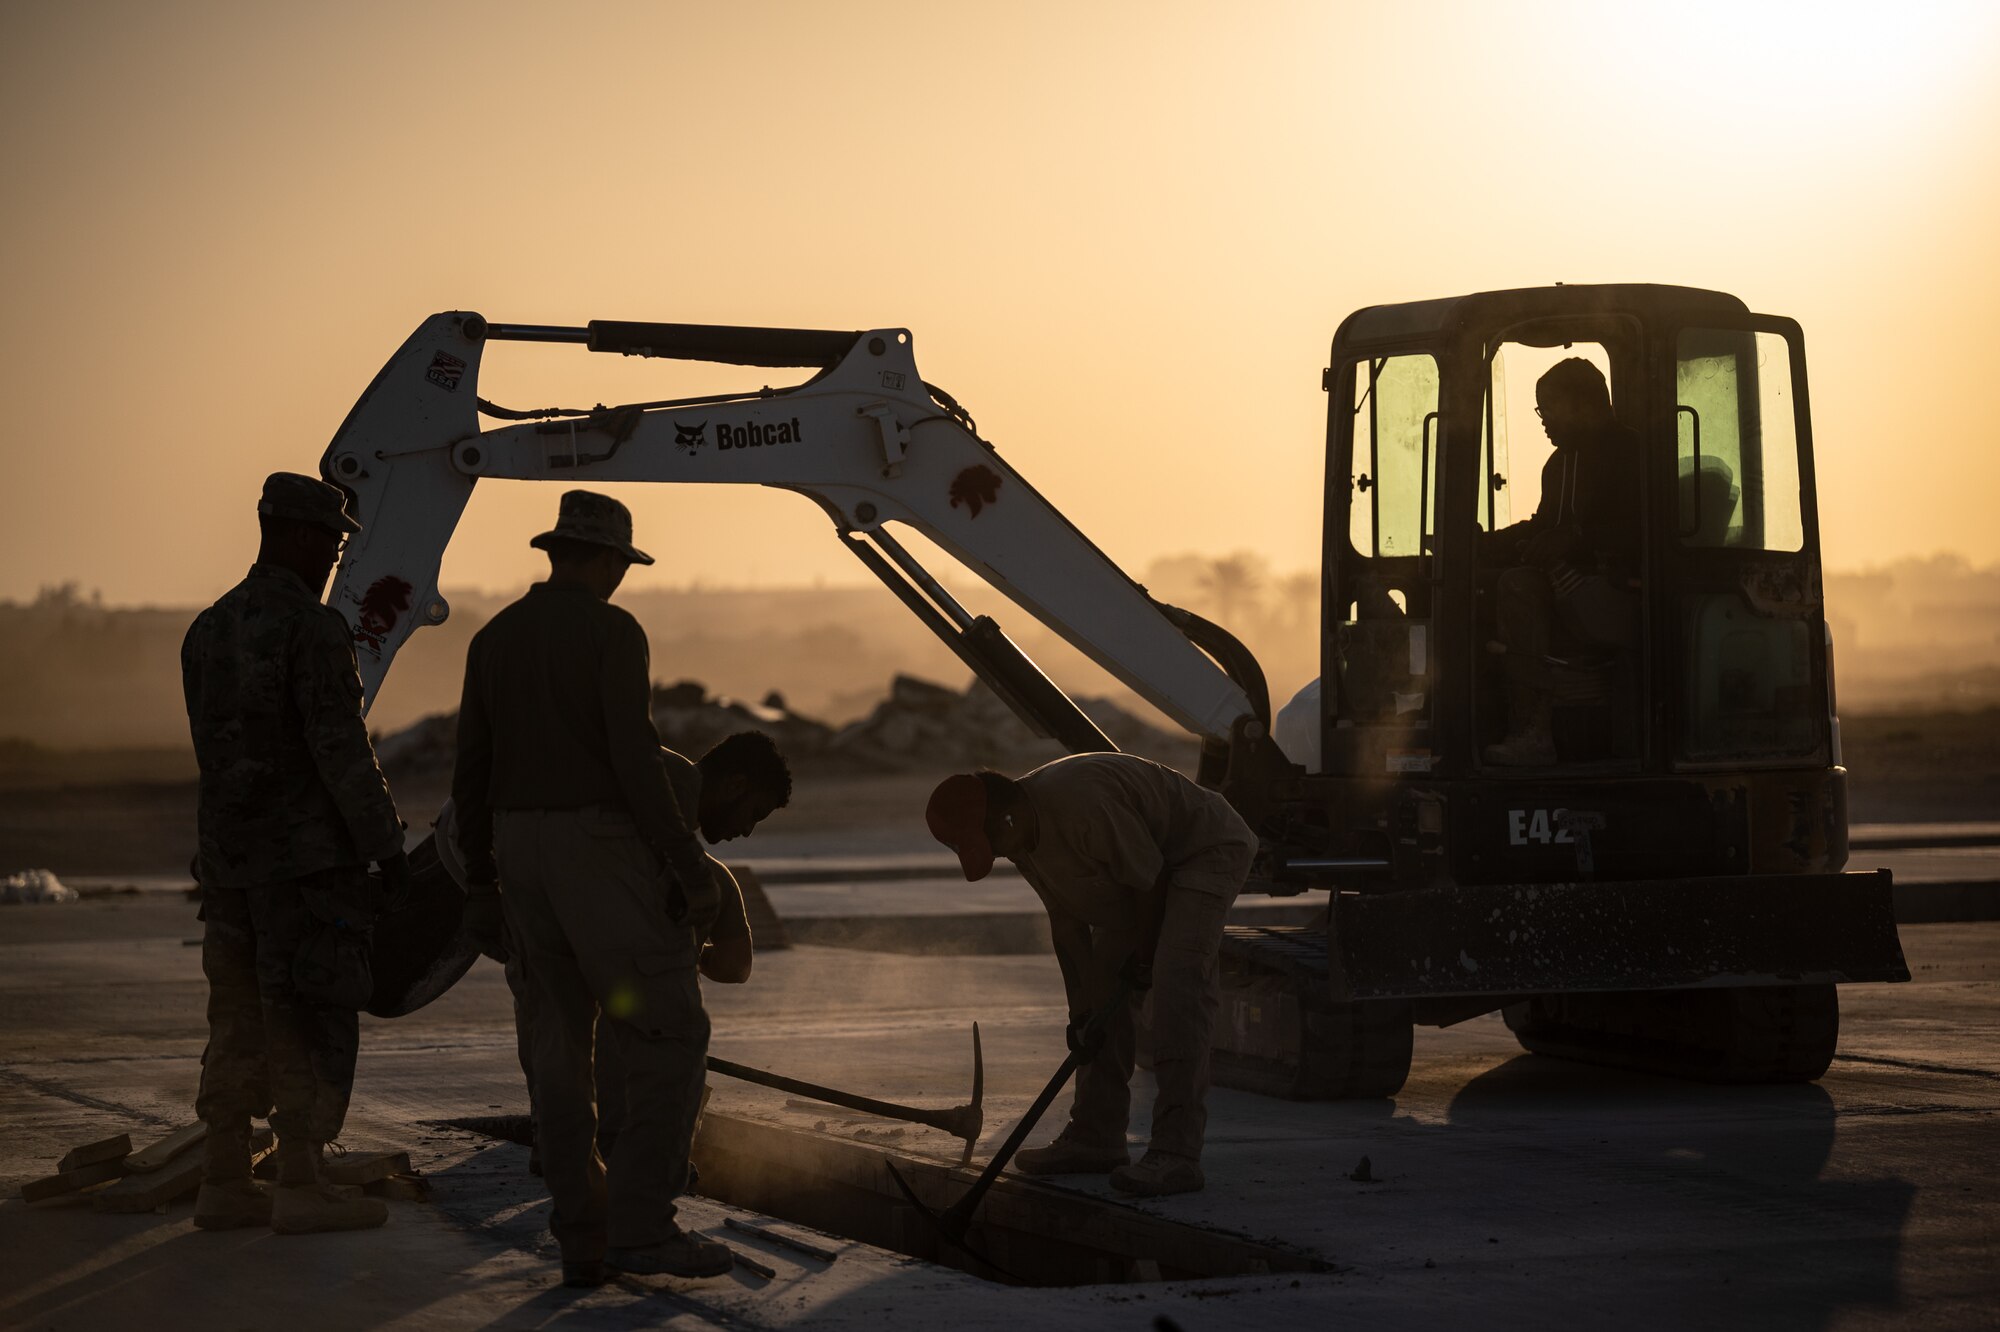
column 957, row 1219
column 962, row 1121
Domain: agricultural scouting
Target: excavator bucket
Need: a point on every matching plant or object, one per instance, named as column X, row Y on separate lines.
column 1522, row 939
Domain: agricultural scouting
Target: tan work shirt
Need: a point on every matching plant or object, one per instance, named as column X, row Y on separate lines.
column 1113, row 826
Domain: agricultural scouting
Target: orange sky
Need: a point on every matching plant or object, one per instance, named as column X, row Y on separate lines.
column 1122, row 235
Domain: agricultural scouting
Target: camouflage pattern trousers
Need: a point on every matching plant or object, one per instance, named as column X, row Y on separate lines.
column 272, row 1052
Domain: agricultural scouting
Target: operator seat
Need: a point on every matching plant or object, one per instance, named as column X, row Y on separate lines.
column 1708, row 495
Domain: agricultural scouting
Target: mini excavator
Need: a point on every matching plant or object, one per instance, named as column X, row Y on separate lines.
column 1663, row 889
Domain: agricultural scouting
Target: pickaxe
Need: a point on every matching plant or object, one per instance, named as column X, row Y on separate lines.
column 957, row 1219
column 961, row 1121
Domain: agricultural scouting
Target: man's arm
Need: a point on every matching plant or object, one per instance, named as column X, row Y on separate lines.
column 326, row 687
column 727, row 955
column 626, row 691
column 472, row 777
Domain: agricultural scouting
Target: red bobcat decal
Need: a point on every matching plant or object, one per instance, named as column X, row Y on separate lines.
column 381, row 606
column 975, row 487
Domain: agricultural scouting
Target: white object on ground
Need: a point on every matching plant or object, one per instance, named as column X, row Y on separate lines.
column 35, row 885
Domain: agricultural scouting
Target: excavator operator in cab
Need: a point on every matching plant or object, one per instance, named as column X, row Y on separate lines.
column 1572, row 566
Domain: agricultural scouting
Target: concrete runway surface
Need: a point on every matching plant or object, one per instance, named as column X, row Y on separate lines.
column 1510, row 1190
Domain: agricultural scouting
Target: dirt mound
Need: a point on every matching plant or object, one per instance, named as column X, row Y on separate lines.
column 924, row 725
column 690, row 720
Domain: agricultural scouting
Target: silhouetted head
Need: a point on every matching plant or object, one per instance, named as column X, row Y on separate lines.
column 596, row 569
column 979, row 815
column 591, row 544
column 744, row 780
column 302, row 524
column 1573, row 401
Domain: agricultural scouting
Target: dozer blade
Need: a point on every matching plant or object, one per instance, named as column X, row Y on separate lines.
column 1520, row 939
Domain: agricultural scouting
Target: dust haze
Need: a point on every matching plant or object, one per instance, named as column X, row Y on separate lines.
column 1919, row 635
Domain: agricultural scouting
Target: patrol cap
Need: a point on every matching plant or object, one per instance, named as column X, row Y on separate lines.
column 303, row 499
column 597, row 520
column 957, row 817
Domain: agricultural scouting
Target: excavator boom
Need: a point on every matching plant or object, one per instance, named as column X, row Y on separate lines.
column 865, row 438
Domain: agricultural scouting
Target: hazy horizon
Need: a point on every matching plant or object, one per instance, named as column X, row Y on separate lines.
column 1122, row 236
column 1914, row 635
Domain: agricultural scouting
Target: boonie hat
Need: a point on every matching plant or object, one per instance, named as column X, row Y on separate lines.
column 304, row 499
column 957, row 818
column 596, row 519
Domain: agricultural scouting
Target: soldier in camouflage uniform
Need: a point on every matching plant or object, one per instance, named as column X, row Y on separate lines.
column 293, row 807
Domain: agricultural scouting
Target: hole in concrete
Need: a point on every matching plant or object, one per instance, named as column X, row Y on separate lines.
column 1042, row 1235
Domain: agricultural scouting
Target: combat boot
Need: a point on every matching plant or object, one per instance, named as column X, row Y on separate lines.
column 681, row 1255
column 307, row 1205
column 309, row 1209
column 229, row 1198
column 1070, row 1155
column 1159, row 1173
column 228, row 1206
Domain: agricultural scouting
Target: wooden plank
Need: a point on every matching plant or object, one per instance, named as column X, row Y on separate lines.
column 96, row 1153
column 366, row 1167
column 177, row 1179
column 69, row 1181
column 401, row 1188
column 157, row 1154
column 779, row 1237
column 745, row 1261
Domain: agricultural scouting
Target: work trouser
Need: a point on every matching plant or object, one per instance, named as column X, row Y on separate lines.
column 1198, row 896
column 586, row 904
column 610, row 1075
column 1592, row 609
column 270, row 1050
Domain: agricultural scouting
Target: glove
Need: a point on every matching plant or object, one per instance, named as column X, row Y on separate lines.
column 1137, row 973
column 396, row 881
column 1085, row 1043
column 486, row 923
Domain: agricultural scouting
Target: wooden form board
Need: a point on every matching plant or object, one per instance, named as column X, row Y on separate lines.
column 96, row 1153
column 171, row 1182
column 155, row 1155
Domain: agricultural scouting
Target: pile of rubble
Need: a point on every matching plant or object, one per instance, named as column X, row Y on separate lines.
column 920, row 725
column 690, row 720
column 924, row 725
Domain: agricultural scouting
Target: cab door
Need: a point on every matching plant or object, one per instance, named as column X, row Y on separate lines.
column 1744, row 621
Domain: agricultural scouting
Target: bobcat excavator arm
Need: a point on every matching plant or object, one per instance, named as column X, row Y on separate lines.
column 865, row 438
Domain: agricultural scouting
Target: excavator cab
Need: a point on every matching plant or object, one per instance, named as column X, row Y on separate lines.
column 1436, row 448
column 1659, row 886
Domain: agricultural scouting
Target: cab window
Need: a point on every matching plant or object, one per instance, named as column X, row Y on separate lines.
column 1738, row 441
column 1383, row 637
column 1395, row 413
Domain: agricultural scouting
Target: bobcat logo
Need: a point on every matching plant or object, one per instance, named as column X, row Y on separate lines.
column 688, row 438
column 975, row 488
